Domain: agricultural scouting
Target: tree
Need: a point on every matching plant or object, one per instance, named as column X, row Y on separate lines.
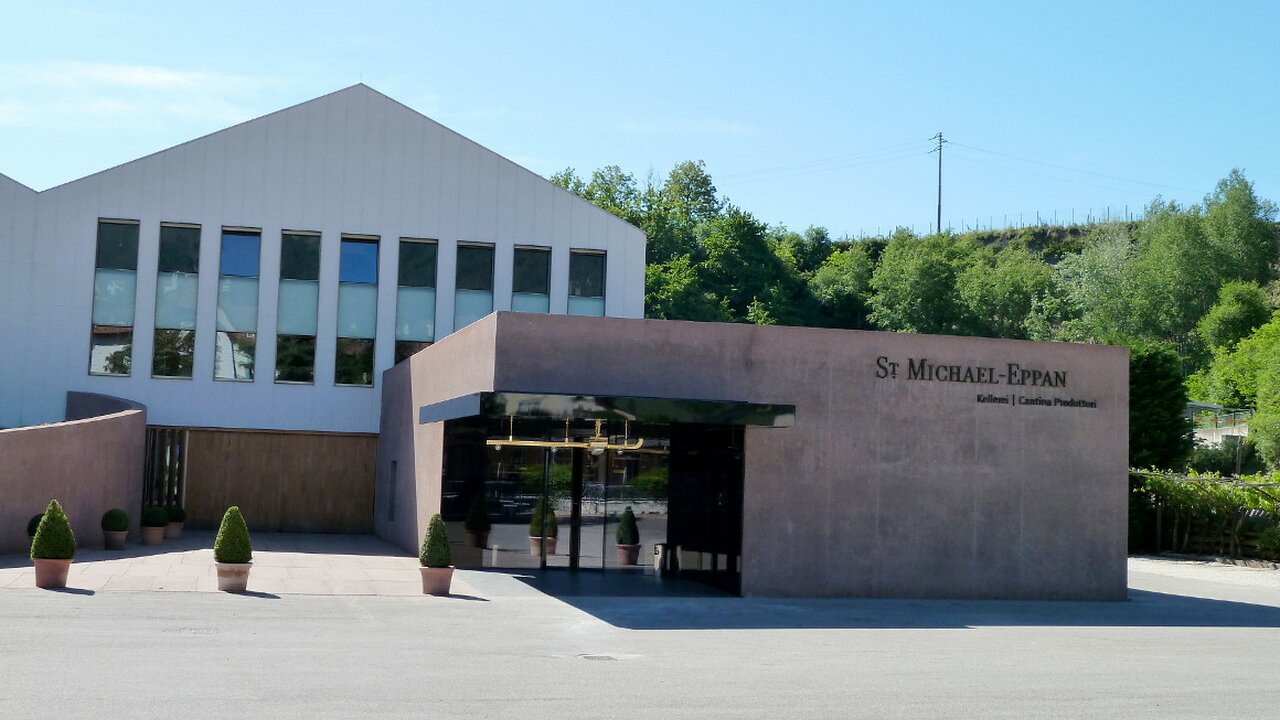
column 842, row 286
column 1242, row 307
column 1159, row 434
column 674, row 290
column 915, row 284
column 1233, row 375
column 1241, row 229
column 998, row 290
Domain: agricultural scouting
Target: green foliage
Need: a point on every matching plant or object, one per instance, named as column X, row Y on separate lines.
column 1222, row 458
column 155, row 517
column 1223, row 507
column 54, row 539
column 1159, row 435
column 436, row 552
column 478, row 516
column 544, row 523
column 232, row 544
column 1233, row 375
column 1264, row 433
column 176, row 514
column 115, row 520
column 628, row 532
column 1269, row 540
column 652, row 482
column 915, row 284
column 998, row 291
column 33, row 524
column 842, row 286
column 559, row 479
column 1241, row 308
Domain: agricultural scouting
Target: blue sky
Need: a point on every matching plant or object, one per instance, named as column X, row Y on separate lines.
column 805, row 113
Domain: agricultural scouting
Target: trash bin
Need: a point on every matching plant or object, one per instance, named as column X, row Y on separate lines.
column 659, row 559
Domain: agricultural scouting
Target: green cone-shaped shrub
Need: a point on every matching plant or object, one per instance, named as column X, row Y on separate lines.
column 54, row 539
column 176, row 514
column 628, row 533
column 155, row 517
column 115, row 520
column 232, row 544
column 544, row 522
column 436, row 552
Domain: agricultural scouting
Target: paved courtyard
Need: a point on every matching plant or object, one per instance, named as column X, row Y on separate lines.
column 283, row 563
column 1194, row 641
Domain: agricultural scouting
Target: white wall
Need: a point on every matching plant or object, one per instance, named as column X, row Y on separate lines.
column 354, row 161
column 17, row 235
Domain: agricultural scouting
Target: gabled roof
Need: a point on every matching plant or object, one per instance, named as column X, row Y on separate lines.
column 360, row 94
column 9, row 183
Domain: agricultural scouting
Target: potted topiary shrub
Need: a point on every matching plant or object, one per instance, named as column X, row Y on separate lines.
column 436, row 558
column 177, row 516
column 628, row 537
column 53, row 547
column 477, row 524
column 544, row 524
column 115, row 528
column 233, row 552
column 154, row 521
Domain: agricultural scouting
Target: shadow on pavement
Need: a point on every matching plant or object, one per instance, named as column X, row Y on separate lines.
column 72, row 591
column 648, row 603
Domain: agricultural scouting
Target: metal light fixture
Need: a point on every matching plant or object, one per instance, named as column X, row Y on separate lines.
column 597, row 443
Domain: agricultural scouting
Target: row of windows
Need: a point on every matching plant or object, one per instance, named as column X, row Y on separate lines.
column 235, row 347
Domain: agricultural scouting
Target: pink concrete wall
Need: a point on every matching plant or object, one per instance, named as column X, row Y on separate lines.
column 460, row 364
column 89, row 464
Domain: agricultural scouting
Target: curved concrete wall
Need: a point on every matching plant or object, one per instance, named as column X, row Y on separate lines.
column 90, row 463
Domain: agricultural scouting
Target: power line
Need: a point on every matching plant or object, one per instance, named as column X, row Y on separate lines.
column 863, row 154
column 1044, row 175
column 873, row 161
column 1071, row 169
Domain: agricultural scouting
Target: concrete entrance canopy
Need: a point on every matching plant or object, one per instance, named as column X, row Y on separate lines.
column 590, row 407
column 917, row 466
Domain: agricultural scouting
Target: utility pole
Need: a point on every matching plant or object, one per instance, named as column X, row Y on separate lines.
column 938, row 150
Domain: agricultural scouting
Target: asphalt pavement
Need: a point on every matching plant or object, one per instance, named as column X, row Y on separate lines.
column 1194, row 641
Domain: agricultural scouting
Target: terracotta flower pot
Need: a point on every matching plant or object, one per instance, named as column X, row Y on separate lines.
column 152, row 535
column 478, row 539
column 628, row 554
column 436, row 580
column 114, row 539
column 535, row 546
column 233, row 577
column 173, row 531
column 51, row 573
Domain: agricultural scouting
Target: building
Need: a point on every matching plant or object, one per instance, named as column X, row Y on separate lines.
column 250, row 287
column 344, row 317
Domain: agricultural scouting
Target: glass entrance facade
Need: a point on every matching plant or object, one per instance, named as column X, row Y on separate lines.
column 682, row 482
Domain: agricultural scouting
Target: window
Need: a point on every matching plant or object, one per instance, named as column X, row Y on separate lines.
column 531, row 280
column 237, row 325
column 586, row 282
column 115, row 287
column 297, row 306
column 473, row 293
column 177, row 283
column 357, row 311
column 415, row 297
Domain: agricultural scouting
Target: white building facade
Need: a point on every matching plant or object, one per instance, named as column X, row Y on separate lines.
column 263, row 277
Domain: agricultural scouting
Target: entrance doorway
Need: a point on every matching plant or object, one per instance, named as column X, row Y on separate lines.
column 682, row 483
